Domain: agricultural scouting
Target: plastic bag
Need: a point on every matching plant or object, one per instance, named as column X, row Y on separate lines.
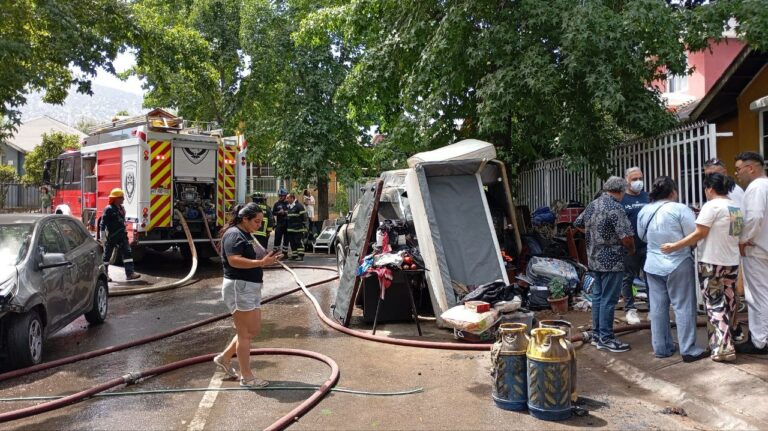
column 467, row 320
column 541, row 270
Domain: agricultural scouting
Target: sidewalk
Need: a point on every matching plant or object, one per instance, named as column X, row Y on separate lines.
column 715, row 395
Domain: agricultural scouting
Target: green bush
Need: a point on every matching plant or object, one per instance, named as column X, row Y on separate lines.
column 7, row 176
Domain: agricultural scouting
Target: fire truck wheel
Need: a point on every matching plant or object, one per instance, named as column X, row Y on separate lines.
column 138, row 254
column 186, row 253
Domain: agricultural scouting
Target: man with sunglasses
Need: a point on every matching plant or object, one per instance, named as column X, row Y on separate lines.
column 754, row 249
column 717, row 166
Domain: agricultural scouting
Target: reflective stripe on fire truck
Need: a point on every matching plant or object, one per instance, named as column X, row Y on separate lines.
column 225, row 182
column 160, row 184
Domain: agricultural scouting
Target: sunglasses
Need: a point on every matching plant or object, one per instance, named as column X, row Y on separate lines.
column 714, row 162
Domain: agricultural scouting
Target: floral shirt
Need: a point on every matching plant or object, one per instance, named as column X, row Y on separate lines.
column 606, row 224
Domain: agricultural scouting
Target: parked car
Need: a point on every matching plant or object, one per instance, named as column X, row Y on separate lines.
column 393, row 205
column 51, row 272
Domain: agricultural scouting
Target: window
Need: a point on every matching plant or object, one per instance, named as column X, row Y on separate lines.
column 677, row 83
column 66, row 169
column 49, row 239
column 72, row 234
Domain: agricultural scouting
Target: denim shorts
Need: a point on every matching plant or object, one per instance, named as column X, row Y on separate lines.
column 241, row 295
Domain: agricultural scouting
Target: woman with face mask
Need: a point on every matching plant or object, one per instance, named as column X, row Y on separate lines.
column 717, row 233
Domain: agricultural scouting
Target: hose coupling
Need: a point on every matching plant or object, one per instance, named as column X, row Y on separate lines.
column 131, row 378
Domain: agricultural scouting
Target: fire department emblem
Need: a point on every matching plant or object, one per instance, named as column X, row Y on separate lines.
column 130, row 181
column 195, row 155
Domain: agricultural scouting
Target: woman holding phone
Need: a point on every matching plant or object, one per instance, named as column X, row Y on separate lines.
column 243, row 259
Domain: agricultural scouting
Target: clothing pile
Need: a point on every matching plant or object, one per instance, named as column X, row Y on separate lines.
column 390, row 252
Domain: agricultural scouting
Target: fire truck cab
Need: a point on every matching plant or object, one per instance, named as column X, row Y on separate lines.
column 165, row 167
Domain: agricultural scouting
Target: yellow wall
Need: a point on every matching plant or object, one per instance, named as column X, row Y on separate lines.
column 745, row 127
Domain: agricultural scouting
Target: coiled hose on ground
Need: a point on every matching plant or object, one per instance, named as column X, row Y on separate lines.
column 172, row 285
column 132, row 378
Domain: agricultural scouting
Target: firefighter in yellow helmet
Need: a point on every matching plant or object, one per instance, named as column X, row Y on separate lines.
column 114, row 235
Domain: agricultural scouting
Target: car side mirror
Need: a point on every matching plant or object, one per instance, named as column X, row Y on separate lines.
column 53, row 260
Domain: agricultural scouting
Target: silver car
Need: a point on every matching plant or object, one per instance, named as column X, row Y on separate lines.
column 51, row 272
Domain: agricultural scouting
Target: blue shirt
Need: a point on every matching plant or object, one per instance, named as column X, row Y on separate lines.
column 632, row 205
column 606, row 224
column 671, row 223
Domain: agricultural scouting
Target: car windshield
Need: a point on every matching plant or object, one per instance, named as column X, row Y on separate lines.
column 14, row 243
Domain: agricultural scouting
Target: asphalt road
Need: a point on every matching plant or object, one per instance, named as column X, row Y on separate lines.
column 455, row 385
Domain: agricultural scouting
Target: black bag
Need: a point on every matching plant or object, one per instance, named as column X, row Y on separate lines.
column 492, row 293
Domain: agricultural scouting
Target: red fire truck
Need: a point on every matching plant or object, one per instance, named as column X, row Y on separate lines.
column 164, row 167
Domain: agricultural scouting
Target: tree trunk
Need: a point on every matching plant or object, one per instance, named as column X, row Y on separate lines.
column 322, row 198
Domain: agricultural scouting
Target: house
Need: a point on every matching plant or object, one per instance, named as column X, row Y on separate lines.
column 738, row 105
column 30, row 135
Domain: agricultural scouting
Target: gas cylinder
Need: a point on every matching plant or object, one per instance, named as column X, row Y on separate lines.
column 508, row 367
column 566, row 327
column 549, row 375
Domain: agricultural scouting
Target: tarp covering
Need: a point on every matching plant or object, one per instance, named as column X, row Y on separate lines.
column 468, row 149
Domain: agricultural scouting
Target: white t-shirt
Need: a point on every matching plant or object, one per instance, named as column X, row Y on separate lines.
column 725, row 221
column 755, row 221
column 737, row 195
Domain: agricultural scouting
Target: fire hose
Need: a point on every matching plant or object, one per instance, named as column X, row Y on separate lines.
column 215, row 246
column 175, row 284
column 133, row 378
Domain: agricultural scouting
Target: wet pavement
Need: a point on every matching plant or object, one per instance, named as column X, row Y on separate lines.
column 621, row 391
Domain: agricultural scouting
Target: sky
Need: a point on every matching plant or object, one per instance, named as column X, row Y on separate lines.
column 122, row 62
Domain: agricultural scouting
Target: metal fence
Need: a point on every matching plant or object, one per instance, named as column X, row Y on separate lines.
column 680, row 154
column 20, row 196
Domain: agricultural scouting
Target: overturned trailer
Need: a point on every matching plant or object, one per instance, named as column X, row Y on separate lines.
column 459, row 203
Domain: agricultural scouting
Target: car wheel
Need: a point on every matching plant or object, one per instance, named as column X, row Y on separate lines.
column 340, row 258
column 25, row 340
column 98, row 311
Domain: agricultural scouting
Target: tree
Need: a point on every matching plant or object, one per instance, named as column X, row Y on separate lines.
column 122, row 113
column 85, row 124
column 7, row 176
column 51, row 147
column 537, row 78
column 291, row 107
column 51, row 45
column 189, row 53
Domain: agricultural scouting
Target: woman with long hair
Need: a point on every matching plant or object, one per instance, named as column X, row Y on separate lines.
column 309, row 204
column 243, row 259
column 671, row 277
column 717, row 234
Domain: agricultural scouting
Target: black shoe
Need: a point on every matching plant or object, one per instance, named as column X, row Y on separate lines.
column 694, row 358
column 750, row 348
column 132, row 276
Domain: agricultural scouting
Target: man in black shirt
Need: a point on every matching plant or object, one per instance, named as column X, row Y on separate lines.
column 114, row 235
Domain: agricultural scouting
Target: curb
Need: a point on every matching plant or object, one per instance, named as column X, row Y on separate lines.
column 704, row 411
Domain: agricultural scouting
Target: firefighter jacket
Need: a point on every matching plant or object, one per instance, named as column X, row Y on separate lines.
column 297, row 218
column 268, row 224
column 280, row 211
column 113, row 221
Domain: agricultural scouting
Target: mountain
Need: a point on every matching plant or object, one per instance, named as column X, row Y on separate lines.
column 101, row 107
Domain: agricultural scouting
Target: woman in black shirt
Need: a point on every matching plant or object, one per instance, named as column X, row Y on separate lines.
column 243, row 258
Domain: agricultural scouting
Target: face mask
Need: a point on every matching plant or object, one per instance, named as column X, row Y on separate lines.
column 636, row 186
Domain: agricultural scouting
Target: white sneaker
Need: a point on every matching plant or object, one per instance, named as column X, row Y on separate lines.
column 632, row 318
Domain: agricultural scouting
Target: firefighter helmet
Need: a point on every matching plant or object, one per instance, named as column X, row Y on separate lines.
column 282, row 192
column 258, row 197
column 116, row 193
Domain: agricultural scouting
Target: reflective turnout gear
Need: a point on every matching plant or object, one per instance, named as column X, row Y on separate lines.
column 115, row 236
column 280, row 213
column 262, row 235
column 296, row 228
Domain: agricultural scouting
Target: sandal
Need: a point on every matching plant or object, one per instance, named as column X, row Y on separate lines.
column 228, row 370
column 253, row 382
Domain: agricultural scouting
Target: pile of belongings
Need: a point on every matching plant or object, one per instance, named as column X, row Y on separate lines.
column 481, row 309
column 386, row 257
column 540, row 272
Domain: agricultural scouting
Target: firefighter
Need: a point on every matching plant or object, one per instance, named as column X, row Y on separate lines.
column 114, row 235
column 297, row 227
column 280, row 212
column 262, row 235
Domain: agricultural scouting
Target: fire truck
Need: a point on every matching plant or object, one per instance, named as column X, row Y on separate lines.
column 166, row 167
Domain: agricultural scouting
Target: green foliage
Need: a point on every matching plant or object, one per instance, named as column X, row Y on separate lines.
column 556, row 288
column 537, row 78
column 7, row 175
column 51, row 147
column 51, row 45
column 122, row 113
column 341, row 205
